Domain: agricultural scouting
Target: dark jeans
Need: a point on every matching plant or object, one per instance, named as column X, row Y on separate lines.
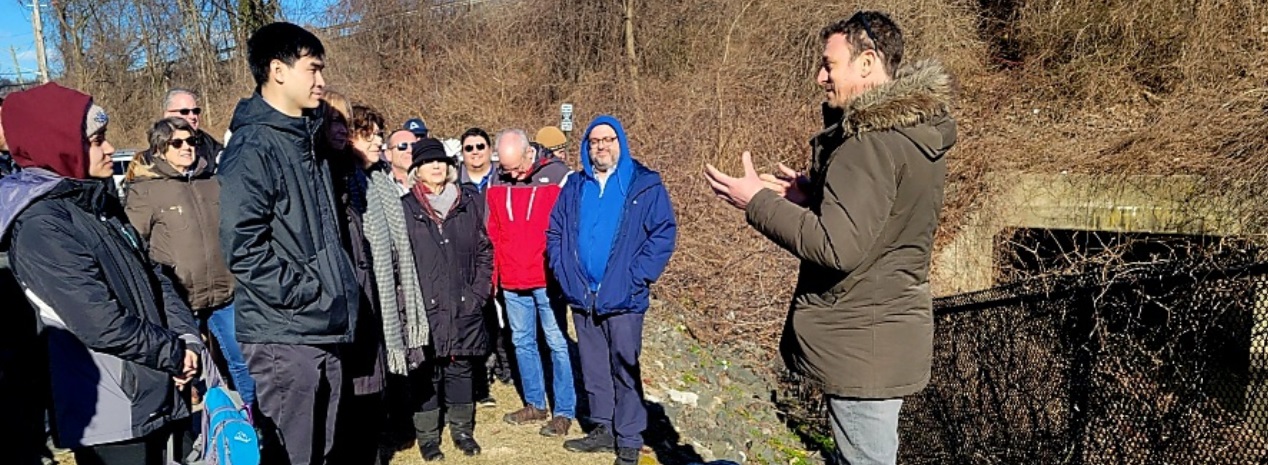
column 447, row 378
column 361, row 419
column 609, row 347
column 498, row 364
column 297, row 390
column 148, row 450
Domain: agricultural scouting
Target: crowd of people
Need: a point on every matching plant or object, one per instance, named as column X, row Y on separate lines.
column 347, row 277
column 325, row 267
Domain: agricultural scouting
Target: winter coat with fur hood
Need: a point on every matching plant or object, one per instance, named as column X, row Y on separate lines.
column 861, row 320
column 179, row 214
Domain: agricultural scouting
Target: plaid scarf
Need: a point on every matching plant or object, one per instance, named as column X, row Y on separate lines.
column 385, row 231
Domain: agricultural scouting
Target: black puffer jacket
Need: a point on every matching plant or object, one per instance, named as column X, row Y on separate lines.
column 279, row 232
column 455, row 271
column 117, row 330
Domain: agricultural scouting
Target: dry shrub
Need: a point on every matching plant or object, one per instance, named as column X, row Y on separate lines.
column 716, row 78
column 1119, row 86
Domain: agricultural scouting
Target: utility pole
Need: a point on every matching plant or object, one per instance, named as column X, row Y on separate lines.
column 39, row 40
column 17, row 66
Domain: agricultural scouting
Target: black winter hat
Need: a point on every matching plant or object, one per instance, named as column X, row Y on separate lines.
column 429, row 149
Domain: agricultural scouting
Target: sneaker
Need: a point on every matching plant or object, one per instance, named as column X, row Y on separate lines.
column 487, row 402
column 626, row 456
column 430, row 451
column 528, row 414
column 599, row 439
column 557, row 427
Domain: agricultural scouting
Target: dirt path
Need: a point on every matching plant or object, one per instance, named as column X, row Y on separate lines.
column 509, row 444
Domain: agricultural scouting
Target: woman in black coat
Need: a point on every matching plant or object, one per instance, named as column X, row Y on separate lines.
column 454, row 259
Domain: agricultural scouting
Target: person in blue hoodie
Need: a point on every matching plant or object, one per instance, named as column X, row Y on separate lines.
column 611, row 235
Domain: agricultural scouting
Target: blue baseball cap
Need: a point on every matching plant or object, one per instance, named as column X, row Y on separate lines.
column 416, row 126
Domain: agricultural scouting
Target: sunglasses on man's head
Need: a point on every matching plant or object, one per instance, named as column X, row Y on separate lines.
column 178, row 143
column 472, row 148
column 187, row 111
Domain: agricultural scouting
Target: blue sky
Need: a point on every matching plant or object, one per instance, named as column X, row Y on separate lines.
column 15, row 32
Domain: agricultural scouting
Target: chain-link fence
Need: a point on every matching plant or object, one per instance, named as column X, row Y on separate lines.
column 1151, row 365
column 1159, row 363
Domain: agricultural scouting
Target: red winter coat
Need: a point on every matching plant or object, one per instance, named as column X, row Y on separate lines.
column 519, row 214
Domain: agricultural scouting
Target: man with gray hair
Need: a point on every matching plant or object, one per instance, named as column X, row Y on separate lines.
column 520, row 201
column 183, row 103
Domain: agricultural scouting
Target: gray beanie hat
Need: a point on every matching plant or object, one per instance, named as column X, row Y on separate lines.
column 95, row 120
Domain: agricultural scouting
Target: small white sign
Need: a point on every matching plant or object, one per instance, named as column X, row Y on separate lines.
column 565, row 125
column 566, row 110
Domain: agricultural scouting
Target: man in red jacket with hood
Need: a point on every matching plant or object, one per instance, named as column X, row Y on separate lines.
column 121, row 341
column 520, row 202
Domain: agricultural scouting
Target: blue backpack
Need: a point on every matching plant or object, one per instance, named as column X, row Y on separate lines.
column 229, row 439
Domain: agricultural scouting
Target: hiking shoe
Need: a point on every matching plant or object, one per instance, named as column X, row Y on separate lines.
column 430, row 451
column 528, row 414
column 487, row 402
column 626, row 456
column 599, row 439
column 557, row 427
column 467, row 444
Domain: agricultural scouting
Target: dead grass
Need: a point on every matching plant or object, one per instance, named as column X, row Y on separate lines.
column 502, row 443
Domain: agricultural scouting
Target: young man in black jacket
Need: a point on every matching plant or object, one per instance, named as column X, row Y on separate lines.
column 296, row 296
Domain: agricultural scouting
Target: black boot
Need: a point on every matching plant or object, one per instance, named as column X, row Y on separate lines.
column 427, row 427
column 462, row 427
column 599, row 439
column 626, row 456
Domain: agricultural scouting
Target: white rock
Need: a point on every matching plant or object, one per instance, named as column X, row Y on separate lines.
column 685, row 398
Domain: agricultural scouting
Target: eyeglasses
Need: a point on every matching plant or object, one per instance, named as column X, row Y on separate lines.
column 557, row 148
column 867, row 29
column 187, row 111
column 472, row 148
column 602, row 141
column 403, row 146
column 178, row 143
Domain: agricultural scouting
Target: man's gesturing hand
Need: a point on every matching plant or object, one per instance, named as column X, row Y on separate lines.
column 735, row 191
column 788, row 184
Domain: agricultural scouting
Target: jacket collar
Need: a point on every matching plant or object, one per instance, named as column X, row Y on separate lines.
column 919, row 94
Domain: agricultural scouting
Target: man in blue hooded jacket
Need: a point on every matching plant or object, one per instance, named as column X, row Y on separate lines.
column 611, row 235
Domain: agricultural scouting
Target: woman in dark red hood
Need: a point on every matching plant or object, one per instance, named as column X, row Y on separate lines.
column 58, row 129
column 121, row 342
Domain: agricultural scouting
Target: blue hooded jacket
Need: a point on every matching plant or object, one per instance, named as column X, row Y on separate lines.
column 606, row 250
column 600, row 201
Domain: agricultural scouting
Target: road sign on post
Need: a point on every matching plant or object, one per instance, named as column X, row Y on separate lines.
column 565, row 119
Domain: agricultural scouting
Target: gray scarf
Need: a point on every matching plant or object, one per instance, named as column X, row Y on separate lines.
column 385, row 231
column 444, row 201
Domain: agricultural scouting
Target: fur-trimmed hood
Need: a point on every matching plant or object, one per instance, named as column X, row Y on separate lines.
column 919, row 94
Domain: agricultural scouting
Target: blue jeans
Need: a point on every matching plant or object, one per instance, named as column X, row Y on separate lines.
column 865, row 430
column 220, row 323
column 524, row 309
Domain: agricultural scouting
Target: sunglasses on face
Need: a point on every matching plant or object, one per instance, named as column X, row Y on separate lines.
column 187, row 111
column 472, row 148
column 178, row 143
column 403, row 146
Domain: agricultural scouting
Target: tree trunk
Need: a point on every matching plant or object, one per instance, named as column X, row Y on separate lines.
column 71, row 42
column 631, row 54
